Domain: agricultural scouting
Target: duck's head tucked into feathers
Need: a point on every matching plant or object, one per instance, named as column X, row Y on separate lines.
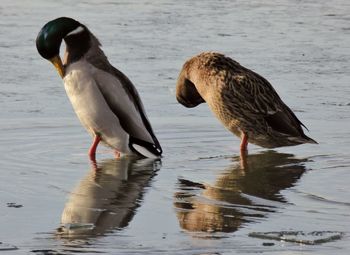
column 49, row 39
column 244, row 101
column 186, row 92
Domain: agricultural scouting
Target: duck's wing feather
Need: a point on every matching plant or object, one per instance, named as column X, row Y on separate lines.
column 258, row 96
column 123, row 99
column 134, row 96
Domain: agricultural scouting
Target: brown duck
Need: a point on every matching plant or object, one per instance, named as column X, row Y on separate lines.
column 245, row 102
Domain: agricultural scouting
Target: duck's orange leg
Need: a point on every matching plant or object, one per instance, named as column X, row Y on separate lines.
column 92, row 150
column 117, row 154
column 244, row 142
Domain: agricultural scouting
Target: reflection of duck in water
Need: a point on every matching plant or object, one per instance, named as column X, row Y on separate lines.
column 238, row 195
column 107, row 198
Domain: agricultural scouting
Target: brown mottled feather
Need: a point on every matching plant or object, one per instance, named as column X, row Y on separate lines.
column 241, row 99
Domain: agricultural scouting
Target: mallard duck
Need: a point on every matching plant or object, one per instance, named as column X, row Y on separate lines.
column 245, row 102
column 104, row 99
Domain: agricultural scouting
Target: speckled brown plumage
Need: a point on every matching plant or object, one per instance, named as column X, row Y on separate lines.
column 245, row 102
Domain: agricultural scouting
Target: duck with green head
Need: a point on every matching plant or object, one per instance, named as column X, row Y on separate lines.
column 104, row 99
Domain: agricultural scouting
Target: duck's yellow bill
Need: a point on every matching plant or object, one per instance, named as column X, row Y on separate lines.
column 57, row 62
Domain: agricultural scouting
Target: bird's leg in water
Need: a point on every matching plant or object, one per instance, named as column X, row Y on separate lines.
column 92, row 150
column 117, row 154
column 244, row 142
column 243, row 160
column 244, row 151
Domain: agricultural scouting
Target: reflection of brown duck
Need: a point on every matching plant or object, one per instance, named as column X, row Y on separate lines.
column 107, row 197
column 238, row 195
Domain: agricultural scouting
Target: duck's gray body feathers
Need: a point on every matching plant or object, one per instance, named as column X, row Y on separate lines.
column 242, row 100
column 117, row 113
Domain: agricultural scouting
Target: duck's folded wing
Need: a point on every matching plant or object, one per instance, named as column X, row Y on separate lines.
column 259, row 97
column 123, row 99
column 280, row 122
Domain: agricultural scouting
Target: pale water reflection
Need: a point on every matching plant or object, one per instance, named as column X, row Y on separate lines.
column 107, row 197
column 239, row 194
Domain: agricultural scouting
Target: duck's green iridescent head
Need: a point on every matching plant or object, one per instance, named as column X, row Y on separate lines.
column 50, row 37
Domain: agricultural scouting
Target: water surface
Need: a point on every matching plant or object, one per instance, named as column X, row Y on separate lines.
column 198, row 199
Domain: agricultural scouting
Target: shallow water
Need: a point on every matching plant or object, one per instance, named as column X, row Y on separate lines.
column 198, row 199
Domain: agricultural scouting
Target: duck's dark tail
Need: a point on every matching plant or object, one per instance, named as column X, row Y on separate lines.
column 143, row 148
column 309, row 140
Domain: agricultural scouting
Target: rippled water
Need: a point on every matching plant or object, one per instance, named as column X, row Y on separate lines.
column 198, row 199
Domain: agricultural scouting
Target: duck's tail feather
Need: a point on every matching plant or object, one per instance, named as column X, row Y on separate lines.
column 301, row 139
column 143, row 148
column 309, row 140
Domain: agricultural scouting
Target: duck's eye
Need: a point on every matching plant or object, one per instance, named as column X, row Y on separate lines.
column 78, row 30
